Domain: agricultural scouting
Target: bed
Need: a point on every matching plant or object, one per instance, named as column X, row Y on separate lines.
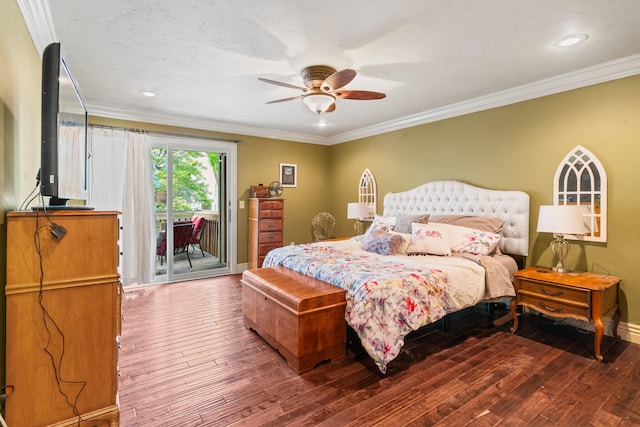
column 436, row 249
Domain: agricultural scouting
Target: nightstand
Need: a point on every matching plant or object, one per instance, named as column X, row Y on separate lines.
column 581, row 296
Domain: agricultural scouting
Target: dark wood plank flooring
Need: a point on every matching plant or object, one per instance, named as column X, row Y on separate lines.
column 187, row 360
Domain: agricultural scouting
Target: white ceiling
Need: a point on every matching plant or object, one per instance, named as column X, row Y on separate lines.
column 433, row 58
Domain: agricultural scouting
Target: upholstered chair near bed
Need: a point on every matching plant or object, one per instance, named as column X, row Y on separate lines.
column 322, row 225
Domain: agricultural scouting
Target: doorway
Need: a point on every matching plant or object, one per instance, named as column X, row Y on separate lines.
column 194, row 186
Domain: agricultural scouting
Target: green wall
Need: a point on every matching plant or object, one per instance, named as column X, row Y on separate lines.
column 520, row 147
column 19, row 128
column 259, row 163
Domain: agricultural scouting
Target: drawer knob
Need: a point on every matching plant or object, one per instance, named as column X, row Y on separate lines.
column 557, row 294
column 553, row 310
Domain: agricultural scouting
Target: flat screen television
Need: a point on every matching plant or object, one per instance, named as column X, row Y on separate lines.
column 63, row 162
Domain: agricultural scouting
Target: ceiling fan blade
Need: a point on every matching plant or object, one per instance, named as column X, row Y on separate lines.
column 338, row 79
column 331, row 108
column 275, row 82
column 285, row 99
column 359, row 94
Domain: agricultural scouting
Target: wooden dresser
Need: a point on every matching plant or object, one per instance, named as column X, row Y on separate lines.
column 581, row 296
column 62, row 325
column 266, row 217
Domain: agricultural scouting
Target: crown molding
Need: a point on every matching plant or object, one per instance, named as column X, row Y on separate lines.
column 38, row 19
column 202, row 124
column 37, row 16
column 600, row 73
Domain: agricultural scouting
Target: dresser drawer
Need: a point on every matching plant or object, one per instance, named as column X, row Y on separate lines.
column 270, row 225
column 271, row 205
column 555, row 307
column 553, row 291
column 264, row 249
column 270, row 237
column 270, row 213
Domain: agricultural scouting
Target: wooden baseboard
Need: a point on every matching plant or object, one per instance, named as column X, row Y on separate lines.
column 110, row 415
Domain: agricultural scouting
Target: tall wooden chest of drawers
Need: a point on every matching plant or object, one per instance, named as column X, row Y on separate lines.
column 266, row 218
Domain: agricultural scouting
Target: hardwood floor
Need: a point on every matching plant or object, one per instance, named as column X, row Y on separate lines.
column 187, row 360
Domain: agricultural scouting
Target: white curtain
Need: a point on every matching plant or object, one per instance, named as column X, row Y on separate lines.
column 121, row 178
column 71, row 146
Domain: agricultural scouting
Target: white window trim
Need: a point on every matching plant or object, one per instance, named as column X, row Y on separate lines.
column 209, row 145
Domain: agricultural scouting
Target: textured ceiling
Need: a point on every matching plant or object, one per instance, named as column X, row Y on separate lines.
column 432, row 58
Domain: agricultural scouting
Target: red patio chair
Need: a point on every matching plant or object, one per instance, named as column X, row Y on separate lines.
column 198, row 228
column 182, row 232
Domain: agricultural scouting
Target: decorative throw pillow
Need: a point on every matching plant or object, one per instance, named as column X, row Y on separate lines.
column 384, row 223
column 429, row 239
column 403, row 222
column 406, row 239
column 384, row 243
column 469, row 240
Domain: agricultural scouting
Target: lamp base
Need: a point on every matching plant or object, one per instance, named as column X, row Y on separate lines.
column 357, row 226
column 560, row 248
column 560, row 269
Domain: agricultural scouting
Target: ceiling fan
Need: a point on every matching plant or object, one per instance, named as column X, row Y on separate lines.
column 323, row 86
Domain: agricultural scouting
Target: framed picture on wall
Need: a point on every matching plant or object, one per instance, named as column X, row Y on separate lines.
column 288, row 174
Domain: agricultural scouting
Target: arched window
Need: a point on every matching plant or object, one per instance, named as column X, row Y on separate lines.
column 581, row 180
column 367, row 192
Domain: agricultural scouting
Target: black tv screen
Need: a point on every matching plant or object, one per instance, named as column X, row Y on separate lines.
column 63, row 165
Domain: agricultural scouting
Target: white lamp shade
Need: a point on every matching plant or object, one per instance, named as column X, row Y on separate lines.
column 561, row 219
column 357, row 210
column 318, row 102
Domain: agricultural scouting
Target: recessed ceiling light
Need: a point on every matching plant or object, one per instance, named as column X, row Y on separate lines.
column 571, row 40
column 147, row 93
column 322, row 123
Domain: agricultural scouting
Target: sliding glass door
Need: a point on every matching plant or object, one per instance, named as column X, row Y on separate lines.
column 194, row 185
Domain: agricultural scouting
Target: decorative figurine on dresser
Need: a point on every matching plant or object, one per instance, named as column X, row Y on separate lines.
column 266, row 217
column 581, row 296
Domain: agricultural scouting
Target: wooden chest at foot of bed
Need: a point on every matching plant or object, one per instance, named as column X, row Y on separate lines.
column 301, row 317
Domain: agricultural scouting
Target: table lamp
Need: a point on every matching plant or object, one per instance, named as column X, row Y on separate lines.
column 357, row 211
column 561, row 220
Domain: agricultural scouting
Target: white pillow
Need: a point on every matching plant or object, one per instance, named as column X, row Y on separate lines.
column 472, row 241
column 429, row 239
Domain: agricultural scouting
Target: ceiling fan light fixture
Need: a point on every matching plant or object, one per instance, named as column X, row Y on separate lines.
column 318, row 102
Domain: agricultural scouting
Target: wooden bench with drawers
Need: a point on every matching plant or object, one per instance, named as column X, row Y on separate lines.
column 301, row 317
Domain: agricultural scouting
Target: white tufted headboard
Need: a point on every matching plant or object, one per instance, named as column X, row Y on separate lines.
column 458, row 198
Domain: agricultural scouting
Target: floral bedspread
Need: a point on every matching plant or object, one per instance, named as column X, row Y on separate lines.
column 387, row 297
